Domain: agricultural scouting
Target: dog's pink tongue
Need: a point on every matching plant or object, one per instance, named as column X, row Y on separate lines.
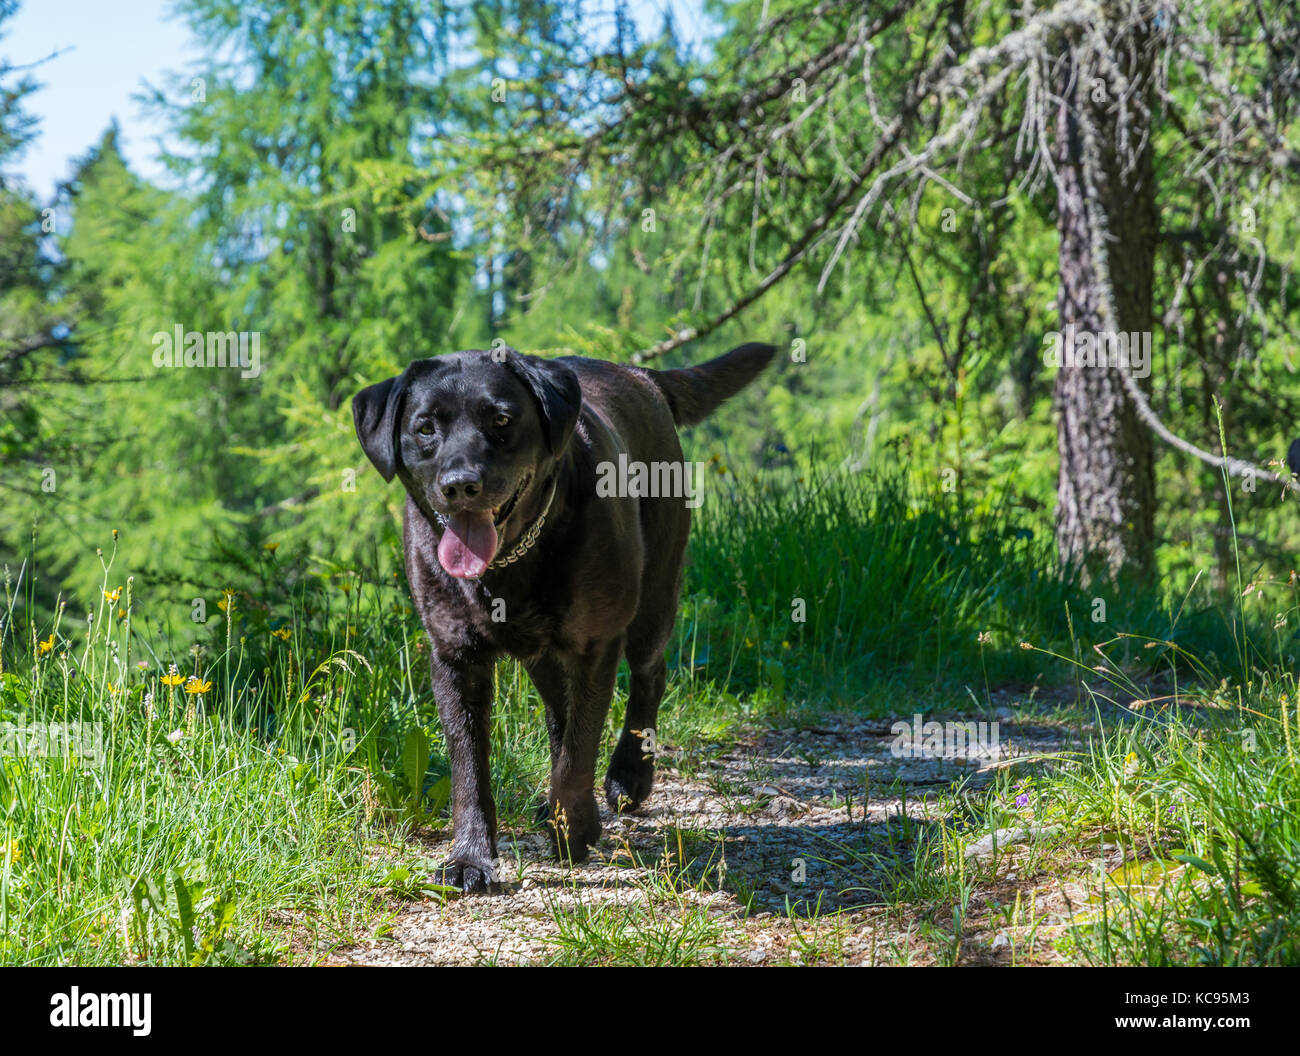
column 468, row 544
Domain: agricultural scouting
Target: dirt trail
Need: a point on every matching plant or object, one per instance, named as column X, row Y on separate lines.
column 774, row 839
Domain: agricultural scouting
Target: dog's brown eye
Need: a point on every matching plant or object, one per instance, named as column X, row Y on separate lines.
column 501, row 421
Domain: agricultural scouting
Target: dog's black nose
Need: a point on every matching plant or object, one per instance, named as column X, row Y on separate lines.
column 459, row 484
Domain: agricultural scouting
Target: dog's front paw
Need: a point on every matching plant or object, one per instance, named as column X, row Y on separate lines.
column 473, row 876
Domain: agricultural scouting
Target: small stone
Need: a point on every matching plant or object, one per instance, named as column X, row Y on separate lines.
column 983, row 847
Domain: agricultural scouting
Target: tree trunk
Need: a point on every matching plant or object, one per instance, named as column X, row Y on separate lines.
column 1106, row 489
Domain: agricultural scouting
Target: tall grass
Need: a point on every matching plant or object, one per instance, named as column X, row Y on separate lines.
column 156, row 812
column 851, row 587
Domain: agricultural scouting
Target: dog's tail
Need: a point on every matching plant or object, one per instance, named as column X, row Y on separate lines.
column 693, row 393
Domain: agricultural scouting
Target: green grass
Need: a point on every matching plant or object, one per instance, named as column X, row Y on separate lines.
column 854, row 588
column 1178, row 825
column 266, row 818
column 1205, row 809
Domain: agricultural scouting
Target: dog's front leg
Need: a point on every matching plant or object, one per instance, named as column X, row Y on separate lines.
column 464, row 695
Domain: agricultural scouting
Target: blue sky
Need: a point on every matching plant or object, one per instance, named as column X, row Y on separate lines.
column 108, row 49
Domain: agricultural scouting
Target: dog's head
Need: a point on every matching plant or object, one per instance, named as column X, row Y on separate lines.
column 469, row 434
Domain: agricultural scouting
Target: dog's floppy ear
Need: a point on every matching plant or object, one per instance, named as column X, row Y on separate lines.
column 375, row 411
column 557, row 391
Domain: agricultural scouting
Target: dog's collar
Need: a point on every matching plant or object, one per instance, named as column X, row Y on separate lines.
column 529, row 538
column 527, row 541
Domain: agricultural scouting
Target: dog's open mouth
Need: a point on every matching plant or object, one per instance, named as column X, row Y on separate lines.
column 500, row 513
column 469, row 540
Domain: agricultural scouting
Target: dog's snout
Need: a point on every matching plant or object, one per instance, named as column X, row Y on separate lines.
column 460, row 483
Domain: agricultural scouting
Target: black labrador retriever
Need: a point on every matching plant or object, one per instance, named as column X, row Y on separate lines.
column 541, row 523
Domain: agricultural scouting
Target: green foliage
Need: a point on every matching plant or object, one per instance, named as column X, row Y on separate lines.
column 364, row 183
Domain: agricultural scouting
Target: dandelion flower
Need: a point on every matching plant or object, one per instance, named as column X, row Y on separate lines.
column 194, row 685
column 172, row 678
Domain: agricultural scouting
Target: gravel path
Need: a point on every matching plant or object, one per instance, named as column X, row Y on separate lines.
column 769, row 834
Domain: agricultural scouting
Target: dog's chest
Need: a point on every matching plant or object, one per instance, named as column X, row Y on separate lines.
column 518, row 625
column 481, row 617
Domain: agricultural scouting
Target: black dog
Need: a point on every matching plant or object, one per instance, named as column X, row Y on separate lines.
column 515, row 545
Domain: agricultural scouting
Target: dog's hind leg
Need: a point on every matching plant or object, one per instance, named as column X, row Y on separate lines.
column 575, row 819
column 552, row 685
column 631, row 768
